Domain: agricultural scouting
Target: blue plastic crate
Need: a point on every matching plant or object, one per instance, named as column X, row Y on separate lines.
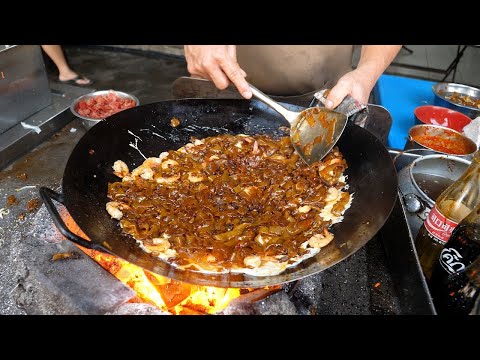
column 400, row 96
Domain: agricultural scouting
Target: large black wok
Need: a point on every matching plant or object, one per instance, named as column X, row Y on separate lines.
column 371, row 176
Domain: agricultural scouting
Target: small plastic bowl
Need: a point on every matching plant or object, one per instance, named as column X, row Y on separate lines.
column 437, row 115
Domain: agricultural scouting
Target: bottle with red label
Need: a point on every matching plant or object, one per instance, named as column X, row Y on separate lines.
column 451, row 207
column 462, row 250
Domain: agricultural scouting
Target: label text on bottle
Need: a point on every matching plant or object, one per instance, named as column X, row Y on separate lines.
column 439, row 226
column 450, row 260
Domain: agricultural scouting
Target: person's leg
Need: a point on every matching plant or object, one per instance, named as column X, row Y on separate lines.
column 65, row 73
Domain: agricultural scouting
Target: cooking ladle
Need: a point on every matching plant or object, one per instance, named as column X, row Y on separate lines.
column 315, row 130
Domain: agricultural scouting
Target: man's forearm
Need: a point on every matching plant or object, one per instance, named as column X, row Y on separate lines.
column 359, row 83
column 374, row 59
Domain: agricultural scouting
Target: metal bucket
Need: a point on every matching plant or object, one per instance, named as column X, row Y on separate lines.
column 421, row 182
column 432, row 174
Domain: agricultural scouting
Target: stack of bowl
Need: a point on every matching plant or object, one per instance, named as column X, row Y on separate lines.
column 439, row 127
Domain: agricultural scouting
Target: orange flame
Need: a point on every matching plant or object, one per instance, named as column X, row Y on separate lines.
column 168, row 295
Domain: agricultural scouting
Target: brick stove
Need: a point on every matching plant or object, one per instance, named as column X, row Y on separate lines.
column 78, row 285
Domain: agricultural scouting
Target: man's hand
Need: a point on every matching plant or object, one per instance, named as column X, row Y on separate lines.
column 217, row 63
column 358, row 83
column 354, row 83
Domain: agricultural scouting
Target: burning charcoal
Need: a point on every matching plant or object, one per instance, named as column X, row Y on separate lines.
column 244, row 304
column 172, row 293
column 276, row 304
column 65, row 256
column 193, row 309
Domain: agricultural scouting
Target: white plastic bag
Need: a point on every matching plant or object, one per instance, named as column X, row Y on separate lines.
column 472, row 130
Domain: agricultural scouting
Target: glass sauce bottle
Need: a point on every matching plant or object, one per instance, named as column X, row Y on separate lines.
column 454, row 204
column 456, row 293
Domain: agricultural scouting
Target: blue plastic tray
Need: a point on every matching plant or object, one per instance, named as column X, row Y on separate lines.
column 400, row 96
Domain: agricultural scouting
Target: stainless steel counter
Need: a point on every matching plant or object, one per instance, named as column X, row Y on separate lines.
column 18, row 140
column 24, row 86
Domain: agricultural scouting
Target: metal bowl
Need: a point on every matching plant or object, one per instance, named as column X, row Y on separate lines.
column 89, row 122
column 421, row 182
column 442, row 89
column 432, row 174
column 440, row 132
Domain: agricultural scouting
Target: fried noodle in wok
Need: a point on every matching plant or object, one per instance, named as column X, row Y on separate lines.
column 231, row 203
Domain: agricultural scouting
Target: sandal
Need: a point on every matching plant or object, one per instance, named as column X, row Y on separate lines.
column 74, row 81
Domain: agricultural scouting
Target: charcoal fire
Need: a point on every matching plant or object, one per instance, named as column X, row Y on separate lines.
column 166, row 294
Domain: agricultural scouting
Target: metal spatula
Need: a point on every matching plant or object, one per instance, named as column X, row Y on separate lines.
column 314, row 131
